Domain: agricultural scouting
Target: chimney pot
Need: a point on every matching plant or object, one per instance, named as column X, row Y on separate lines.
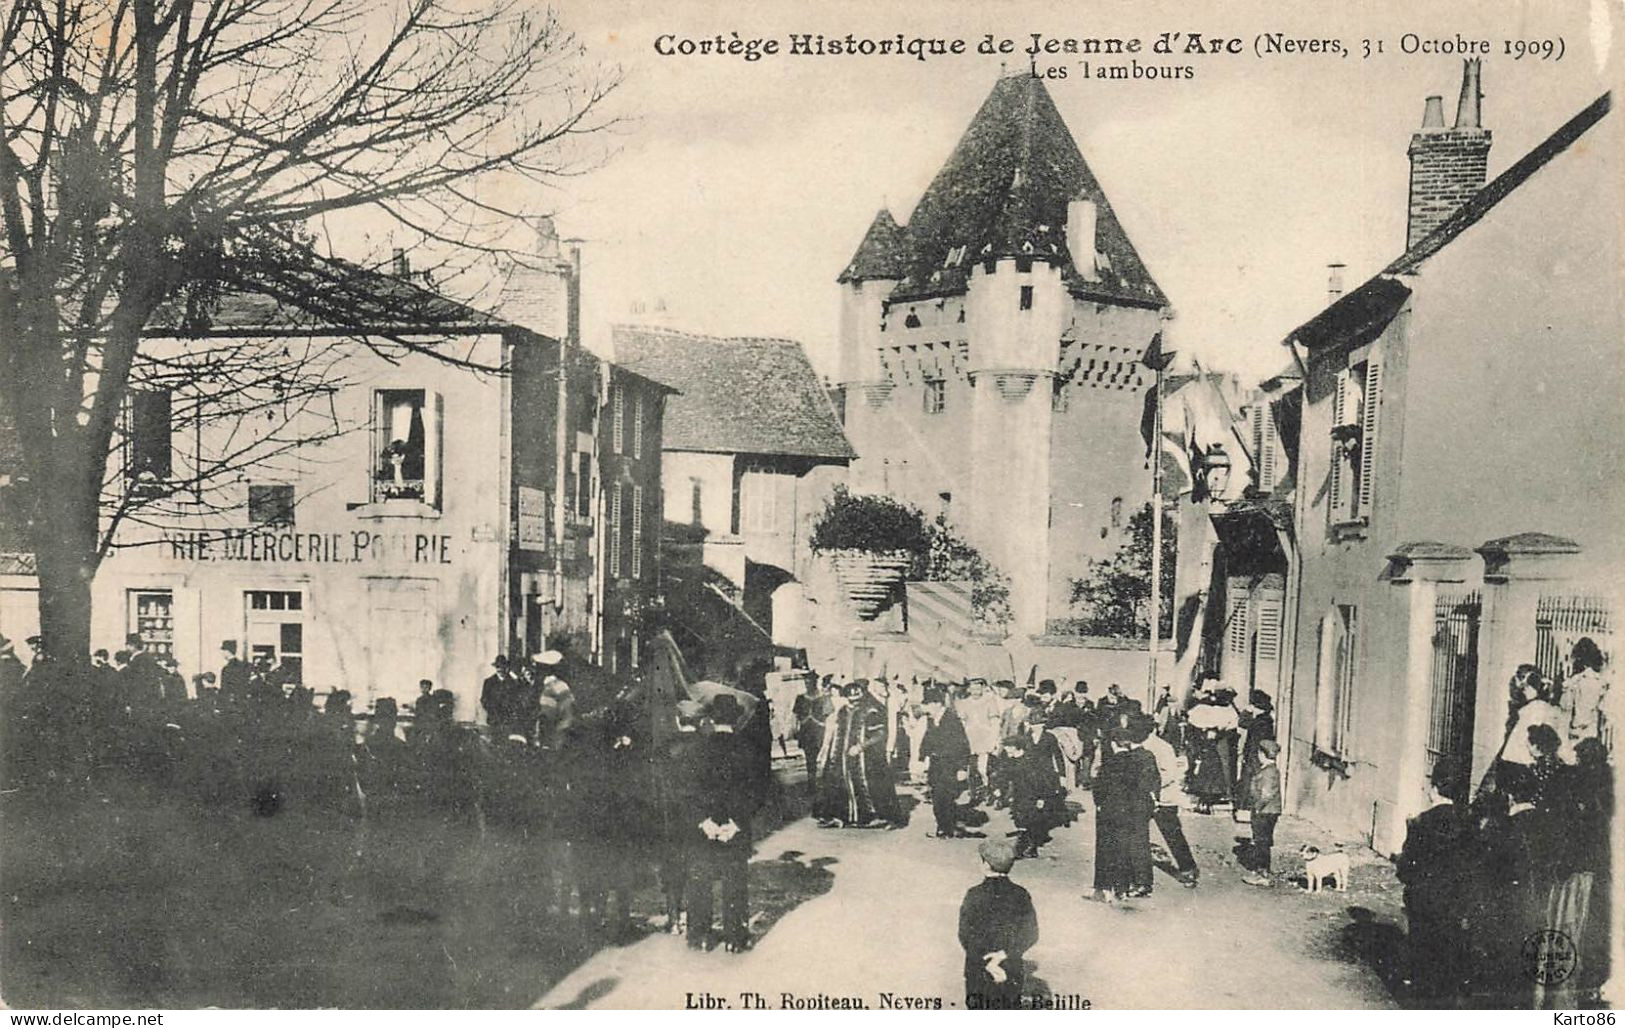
column 1472, row 97
column 1334, row 281
column 1433, row 113
column 1082, row 220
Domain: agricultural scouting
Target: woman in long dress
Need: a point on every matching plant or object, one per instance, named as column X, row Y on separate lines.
column 1211, row 720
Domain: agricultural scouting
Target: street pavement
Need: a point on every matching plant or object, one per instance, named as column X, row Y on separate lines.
column 887, row 925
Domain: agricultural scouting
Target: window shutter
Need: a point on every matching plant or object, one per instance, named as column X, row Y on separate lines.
column 434, row 470
column 1326, row 682
column 1340, row 407
column 1368, row 433
column 637, row 425
column 615, row 532
column 1345, row 687
column 618, row 417
column 1235, row 634
column 637, row 531
column 1266, row 446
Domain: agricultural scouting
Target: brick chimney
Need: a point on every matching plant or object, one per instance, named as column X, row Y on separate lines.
column 1448, row 165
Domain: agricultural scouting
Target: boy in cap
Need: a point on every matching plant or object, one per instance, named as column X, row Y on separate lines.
column 1266, row 807
column 997, row 926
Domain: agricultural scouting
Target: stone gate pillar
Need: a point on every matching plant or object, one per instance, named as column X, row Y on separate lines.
column 1416, row 571
column 1517, row 570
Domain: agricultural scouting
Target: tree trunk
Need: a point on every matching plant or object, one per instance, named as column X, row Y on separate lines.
column 64, row 604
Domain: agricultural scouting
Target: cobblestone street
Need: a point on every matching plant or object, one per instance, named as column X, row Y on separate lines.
column 888, row 923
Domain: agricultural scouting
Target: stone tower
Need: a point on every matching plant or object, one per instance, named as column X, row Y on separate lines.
column 966, row 334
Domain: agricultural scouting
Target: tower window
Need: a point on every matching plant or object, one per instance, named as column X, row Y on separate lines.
column 936, row 395
column 1026, row 298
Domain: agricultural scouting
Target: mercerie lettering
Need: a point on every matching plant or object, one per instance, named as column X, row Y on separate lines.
column 306, row 547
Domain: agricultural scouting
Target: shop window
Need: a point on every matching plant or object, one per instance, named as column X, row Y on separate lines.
column 408, row 446
column 276, row 630
column 270, row 506
column 152, row 617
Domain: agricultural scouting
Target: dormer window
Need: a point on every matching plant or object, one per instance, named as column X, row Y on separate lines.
column 955, row 257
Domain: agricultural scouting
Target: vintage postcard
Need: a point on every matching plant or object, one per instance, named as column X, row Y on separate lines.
column 774, row 506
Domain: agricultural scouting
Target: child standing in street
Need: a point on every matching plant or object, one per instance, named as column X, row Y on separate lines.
column 1265, row 797
column 997, row 925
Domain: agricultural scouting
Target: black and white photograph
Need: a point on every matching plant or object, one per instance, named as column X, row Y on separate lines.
column 702, row 506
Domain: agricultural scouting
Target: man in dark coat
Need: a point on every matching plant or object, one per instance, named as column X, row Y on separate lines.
column 1125, row 798
column 11, row 668
column 997, row 926
column 141, row 681
column 1038, row 800
column 496, row 697
column 1436, row 866
column 812, row 708
column 728, row 791
column 947, row 753
column 234, row 673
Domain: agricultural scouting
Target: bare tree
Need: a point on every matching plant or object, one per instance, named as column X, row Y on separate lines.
column 156, row 155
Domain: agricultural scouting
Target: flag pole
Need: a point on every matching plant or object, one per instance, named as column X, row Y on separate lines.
column 1156, row 545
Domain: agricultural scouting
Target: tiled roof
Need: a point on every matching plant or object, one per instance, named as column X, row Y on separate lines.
column 301, row 291
column 1368, row 309
column 736, row 395
column 1008, row 183
column 881, row 254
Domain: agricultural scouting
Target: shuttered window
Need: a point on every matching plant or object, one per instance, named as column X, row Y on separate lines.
column 1347, row 453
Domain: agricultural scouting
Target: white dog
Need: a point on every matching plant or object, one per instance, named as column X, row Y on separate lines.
column 1318, row 866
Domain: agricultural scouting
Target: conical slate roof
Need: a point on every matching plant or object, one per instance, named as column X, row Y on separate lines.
column 1006, row 185
column 881, row 254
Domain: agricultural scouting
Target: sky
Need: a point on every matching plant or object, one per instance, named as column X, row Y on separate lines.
column 739, row 189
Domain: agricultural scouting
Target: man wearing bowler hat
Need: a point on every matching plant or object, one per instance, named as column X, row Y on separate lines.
column 497, row 696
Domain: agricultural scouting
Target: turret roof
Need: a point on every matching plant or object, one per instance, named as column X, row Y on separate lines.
column 882, row 254
column 1007, row 184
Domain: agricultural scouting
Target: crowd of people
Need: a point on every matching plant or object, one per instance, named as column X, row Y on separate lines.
column 1484, row 870
column 976, row 745
column 1516, row 871
column 614, row 791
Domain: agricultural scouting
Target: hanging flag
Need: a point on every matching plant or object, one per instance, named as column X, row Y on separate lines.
column 1155, row 357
